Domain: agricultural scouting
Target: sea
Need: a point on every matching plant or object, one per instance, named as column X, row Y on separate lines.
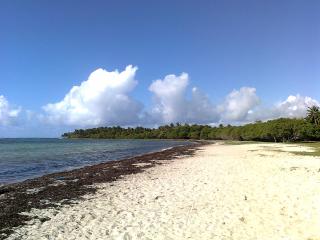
column 25, row 158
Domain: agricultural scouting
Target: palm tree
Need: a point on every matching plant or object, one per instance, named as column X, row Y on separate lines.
column 313, row 115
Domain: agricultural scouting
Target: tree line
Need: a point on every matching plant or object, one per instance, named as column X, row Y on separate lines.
column 278, row 130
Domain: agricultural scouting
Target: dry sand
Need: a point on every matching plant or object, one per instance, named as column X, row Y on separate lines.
column 223, row 192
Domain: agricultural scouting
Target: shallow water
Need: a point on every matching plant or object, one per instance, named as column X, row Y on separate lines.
column 21, row 159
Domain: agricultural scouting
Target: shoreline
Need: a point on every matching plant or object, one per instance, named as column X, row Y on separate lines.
column 64, row 188
column 12, row 179
column 212, row 191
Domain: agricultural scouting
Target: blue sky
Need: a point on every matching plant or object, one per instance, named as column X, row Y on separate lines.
column 47, row 47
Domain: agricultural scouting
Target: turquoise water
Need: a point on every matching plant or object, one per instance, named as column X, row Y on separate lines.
column 22, row 159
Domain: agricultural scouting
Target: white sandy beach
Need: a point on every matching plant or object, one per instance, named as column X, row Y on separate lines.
column 223, row 192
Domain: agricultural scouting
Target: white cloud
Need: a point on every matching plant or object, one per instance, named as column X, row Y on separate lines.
column 243, row 106
column 169, row 98
column 171, row 104
column 103, row 99
column 8, row 113
column 239, row 104
column 293, row 107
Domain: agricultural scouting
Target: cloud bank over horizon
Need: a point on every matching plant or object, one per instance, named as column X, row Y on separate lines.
column 104, row 99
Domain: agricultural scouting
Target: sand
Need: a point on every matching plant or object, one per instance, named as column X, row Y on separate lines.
column 251, row 191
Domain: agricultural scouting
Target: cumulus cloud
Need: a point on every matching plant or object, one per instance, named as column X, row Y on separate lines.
column 172, row 105
column 8, row 113
column 169, row 97
column 294, row 106
column 239, row 104
column 244, row 106
column 103, row 99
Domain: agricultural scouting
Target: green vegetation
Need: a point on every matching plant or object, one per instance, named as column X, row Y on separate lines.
column 278, row 130
column 314, row 145
column 314, row 149
column 313, row 115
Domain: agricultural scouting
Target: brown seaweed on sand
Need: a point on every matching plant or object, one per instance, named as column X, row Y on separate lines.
column 54, row 190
